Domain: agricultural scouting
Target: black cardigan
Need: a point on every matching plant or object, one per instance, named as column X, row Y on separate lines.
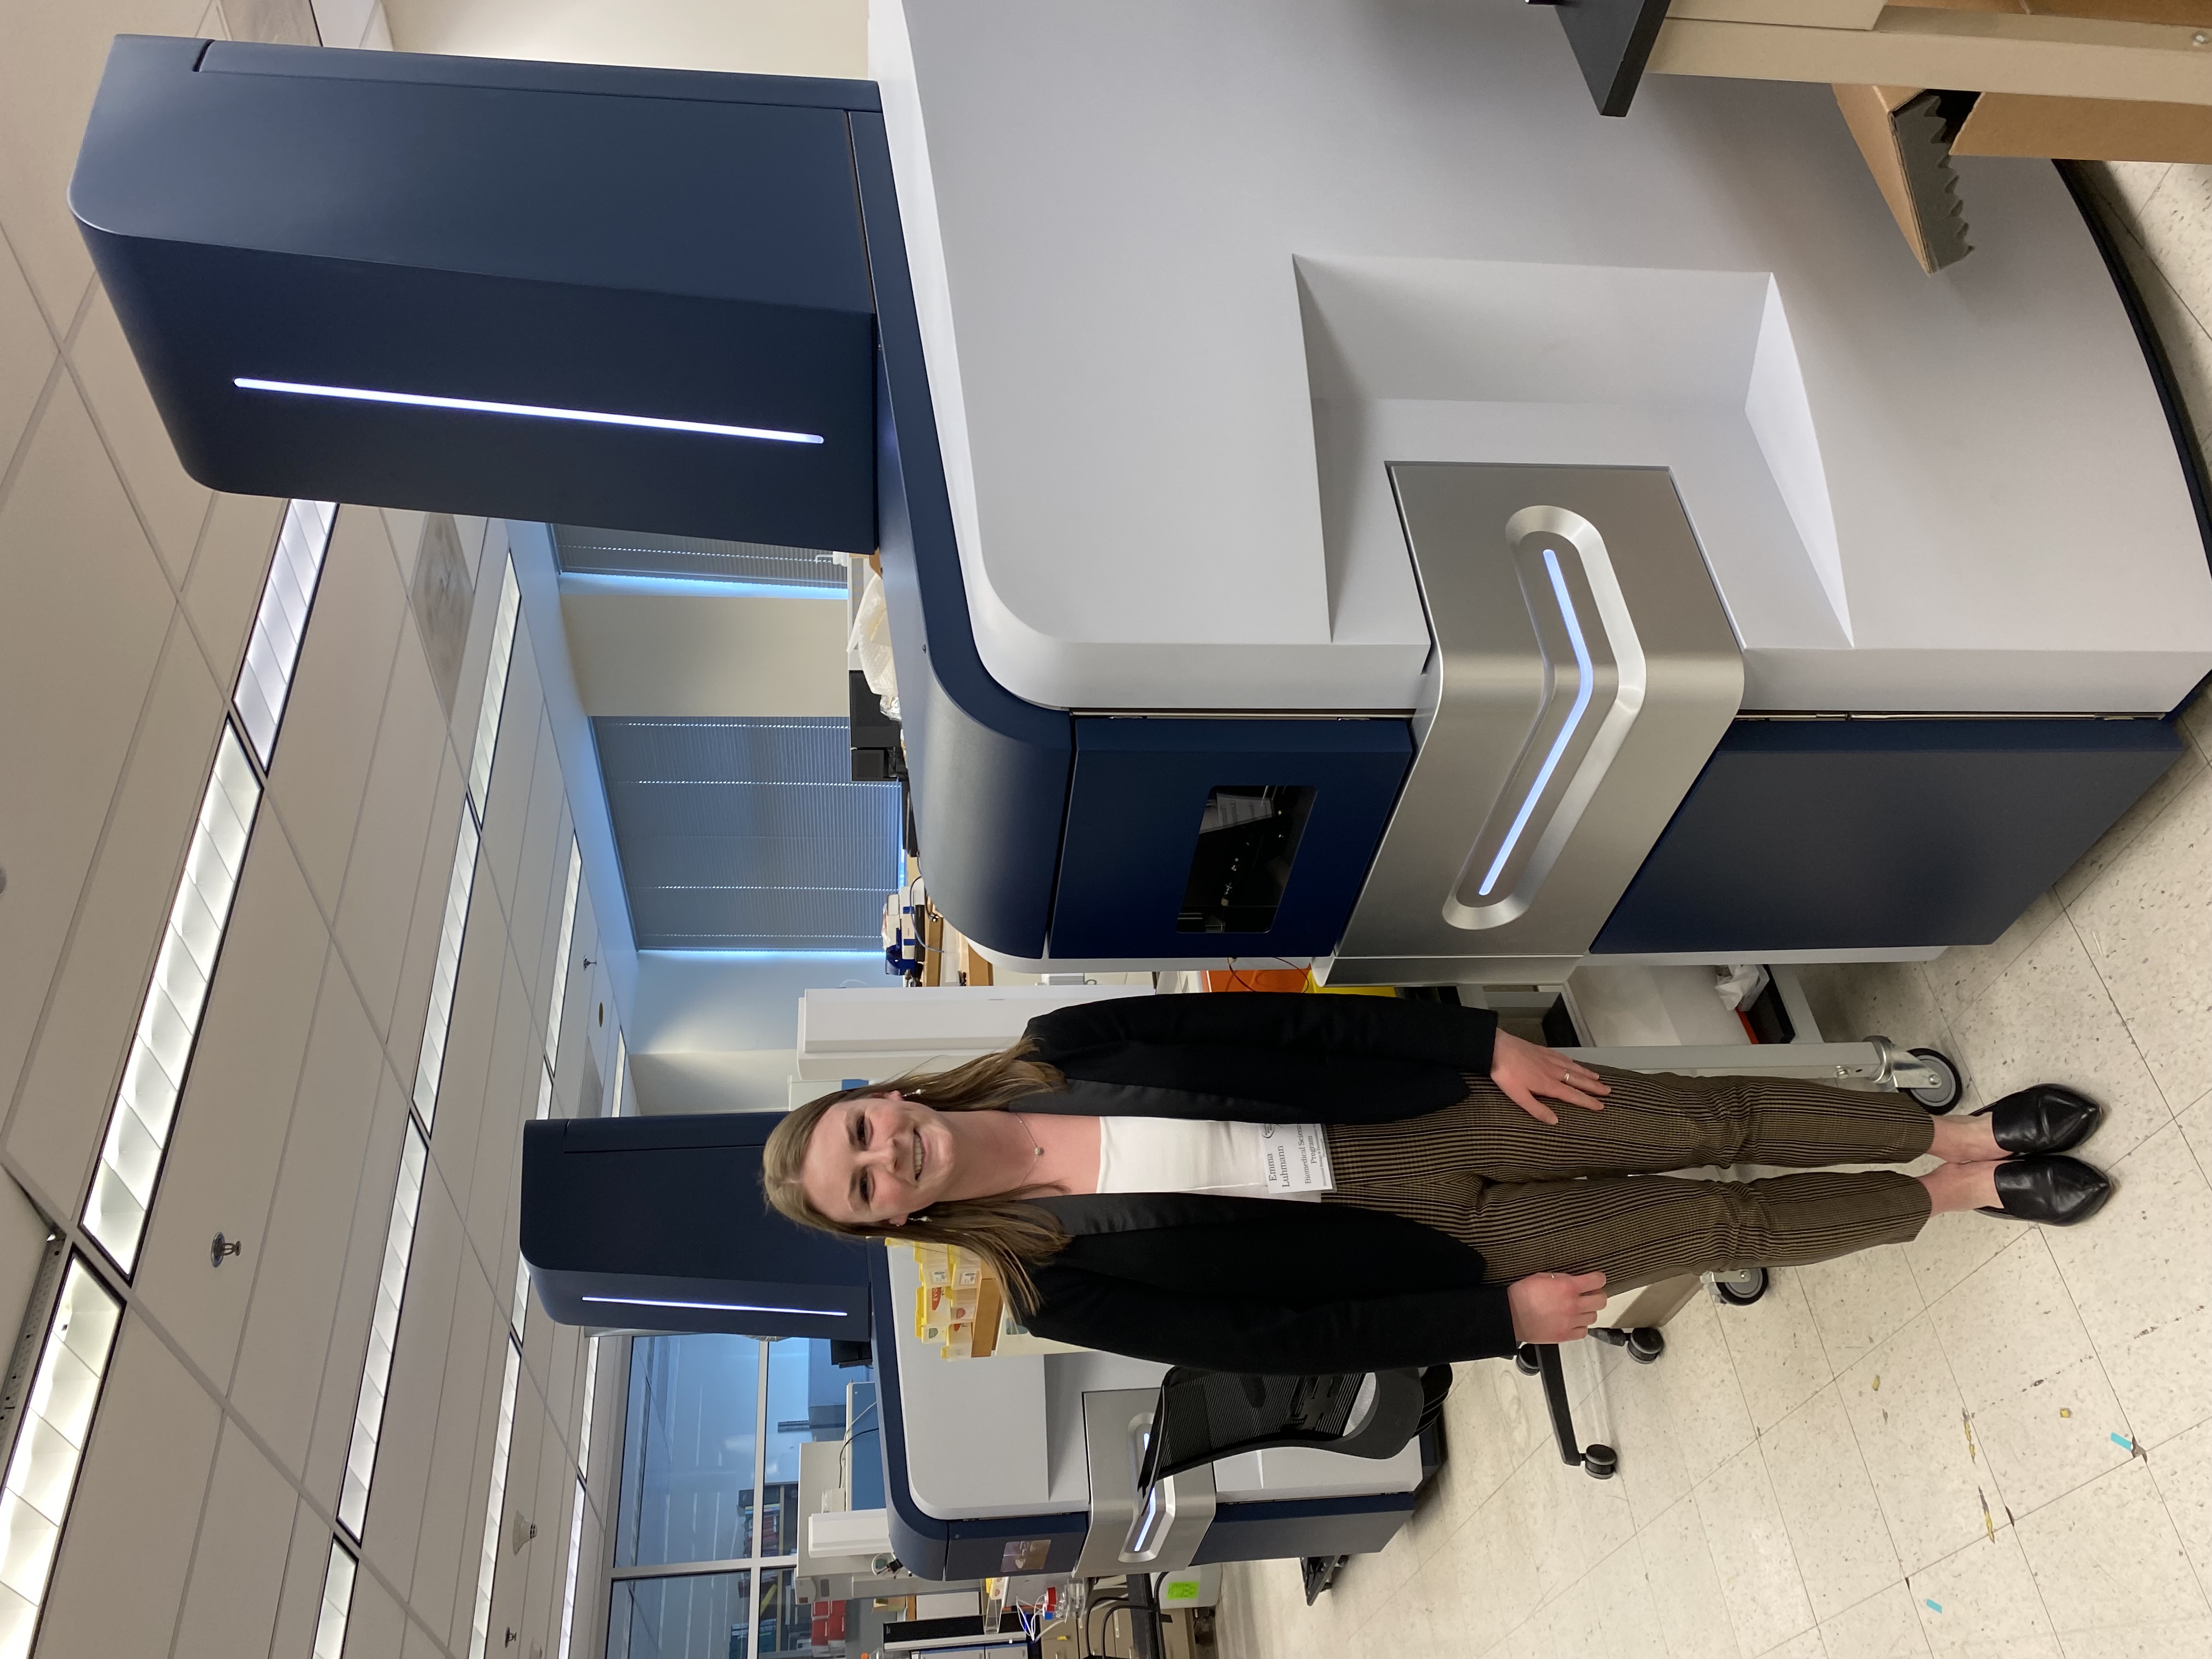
column 1260, row 1284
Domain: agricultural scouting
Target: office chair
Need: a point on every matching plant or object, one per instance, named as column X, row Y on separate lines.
column 1202, row 1417
column 1205, row 1416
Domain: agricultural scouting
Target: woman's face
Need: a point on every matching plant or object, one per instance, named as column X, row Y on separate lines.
column 875, row 1161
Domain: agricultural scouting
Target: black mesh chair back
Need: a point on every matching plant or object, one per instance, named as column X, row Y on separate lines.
column 1203, row 1416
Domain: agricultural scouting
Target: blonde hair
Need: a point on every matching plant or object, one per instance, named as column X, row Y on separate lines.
column 1003, row 1229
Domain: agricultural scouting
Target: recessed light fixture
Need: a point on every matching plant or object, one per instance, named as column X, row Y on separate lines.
column 56, row 1416
column 560, row 996
column 264, row 678
column 534, row 411
column 383, row 1333
column 337, row 1603
column 494, row 701
column 502, row 1446
column 144, row 1110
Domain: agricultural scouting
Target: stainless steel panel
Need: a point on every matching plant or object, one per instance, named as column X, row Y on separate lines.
column 1582, row 672
column 1122, row 1538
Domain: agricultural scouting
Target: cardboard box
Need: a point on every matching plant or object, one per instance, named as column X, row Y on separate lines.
column 2085, row 129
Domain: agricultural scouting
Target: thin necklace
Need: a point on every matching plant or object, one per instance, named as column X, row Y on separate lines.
column 1026, row 1130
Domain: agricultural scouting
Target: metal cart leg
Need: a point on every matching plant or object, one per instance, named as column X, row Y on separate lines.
column 1542, row 1359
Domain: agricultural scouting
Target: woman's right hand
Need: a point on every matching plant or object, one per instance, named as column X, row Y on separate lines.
column 1554, row 1307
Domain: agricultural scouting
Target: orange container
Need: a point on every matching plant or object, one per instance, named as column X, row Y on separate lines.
column 1256, row 978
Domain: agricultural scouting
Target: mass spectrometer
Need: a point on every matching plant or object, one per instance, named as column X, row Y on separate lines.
column 1339, row 498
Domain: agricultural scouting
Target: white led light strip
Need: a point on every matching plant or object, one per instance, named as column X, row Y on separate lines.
column 1583, row 688
column 535, row 411
column 49, row 1446
column 145, row 1105
column 716, row 1307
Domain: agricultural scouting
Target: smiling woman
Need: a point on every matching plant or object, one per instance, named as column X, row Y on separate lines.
column 1466, row 1192
column 871, row 1168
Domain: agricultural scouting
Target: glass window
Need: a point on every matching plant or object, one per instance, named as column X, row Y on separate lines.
column 711, row 1420
column 689, row 1450
column 704, row 1617
column 786, row 1627
column 748, row 834
column 806, row 1401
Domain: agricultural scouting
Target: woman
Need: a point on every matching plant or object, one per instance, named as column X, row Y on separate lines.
column 1126, row 1167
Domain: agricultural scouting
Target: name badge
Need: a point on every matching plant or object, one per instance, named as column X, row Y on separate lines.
column 1297, row 1157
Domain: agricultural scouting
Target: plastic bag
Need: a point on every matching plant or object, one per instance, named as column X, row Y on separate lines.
column 872, row 638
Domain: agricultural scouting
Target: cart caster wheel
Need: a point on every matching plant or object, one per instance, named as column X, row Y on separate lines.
column 1948, row 1086
column 1524, row 1360
column 1742, row 1288
column 1601, row 1462
column 1646, row 1344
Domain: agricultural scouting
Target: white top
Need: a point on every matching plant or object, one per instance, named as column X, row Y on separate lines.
column 1236, row 1160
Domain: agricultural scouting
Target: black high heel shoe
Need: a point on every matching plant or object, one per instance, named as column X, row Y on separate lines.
column 2050, row 1117
column 2059, row 1192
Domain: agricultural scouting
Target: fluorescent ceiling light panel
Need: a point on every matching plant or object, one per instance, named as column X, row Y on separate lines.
column 495, row 690
column 535, row 411
column 575, row 1551
column 591, row 1396
column 264, row 678
column 561, row 962
column 487, row 1563
column 1583, row 688
column 430, row 1062
column 383, row 1332
column 41, row 1479
column 337, row 1603
column 145, row 1105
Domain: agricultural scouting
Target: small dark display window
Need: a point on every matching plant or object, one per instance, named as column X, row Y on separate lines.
column 1248, row 839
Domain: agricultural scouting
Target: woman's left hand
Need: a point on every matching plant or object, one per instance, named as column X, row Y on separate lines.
column 1526, row 1071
